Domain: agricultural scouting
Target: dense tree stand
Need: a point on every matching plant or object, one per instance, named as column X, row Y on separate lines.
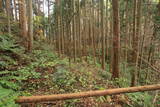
column 44, row 98
column 86, row 50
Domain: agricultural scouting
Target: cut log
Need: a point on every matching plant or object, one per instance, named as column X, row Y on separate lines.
column 44, row 98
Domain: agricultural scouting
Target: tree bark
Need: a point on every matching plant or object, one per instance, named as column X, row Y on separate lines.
column 127, row 34
column 134, row 46
column 15, row 9
column 102, row 34
column 1, row 6
column 74, row 33
column 8, row 4
column 30, row 26
column 116, row 39
column 107, row 30
column 23, row 21
column 34, row 99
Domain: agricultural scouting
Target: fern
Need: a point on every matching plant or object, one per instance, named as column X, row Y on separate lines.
column 9, row 85
column 9, row 44
column 140, row 99
column 7, row 97
column 13, row 73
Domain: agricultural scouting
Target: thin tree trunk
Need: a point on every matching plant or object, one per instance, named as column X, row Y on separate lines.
column 74, row 33
column 111, row 40
column 135, row 44
column 48, row 20
column 30, row 26
column 1, row 6
column 58, row 23
column 85, row 32
column 138, row 33
column 79, row 31
column 107, row 31
column 143, row 38
column 116, row 39
column 11, row 10
column 102, row 34
column 23, row 21
column 127, row 34
column 93, row 35
column 61, row 28
column 15, row 10
column 8, row 8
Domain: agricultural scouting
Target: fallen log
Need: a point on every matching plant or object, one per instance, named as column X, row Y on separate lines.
column 35, row 99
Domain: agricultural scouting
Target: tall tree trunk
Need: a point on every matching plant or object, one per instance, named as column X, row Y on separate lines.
column 11, row 9
column 145, row 34
column 8, row 8
column 30, row 26
column 74, row 33
column 107, row 30
column 93, row 33
column 102, row 34
column 116, row 39
column 134, row 45
column 23, row 21
column 138, row 33
column 48, row 19
column 57, row 27
column 61, row 27
column 15, row 9
column 111, row 40
column 158, row 8
column 79, row 30
column 127, row 34
column 1, row 6
column 85, row 31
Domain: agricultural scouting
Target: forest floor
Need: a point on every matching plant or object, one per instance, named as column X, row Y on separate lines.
column 58, row 78
column 42, row 72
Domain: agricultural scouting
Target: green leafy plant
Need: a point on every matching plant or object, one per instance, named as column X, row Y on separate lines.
column 122, row 82
column 12, row 75
column 140, row 99
column 7, row 97
column 9, row 44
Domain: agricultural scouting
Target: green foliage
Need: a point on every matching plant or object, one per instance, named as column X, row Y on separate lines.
column 68, row 81
column 3, row 22
column 38, row 21
column 157, row 19
column 64, row 78
column 122, row 82
column 12, row 75
column 9, row 51
column 9, row 44
column 9, row 85
column 13, row 80
column 101, row 99
column 71, row 103
column 105, row 74
column 140, row 99
column 7, row 97
column 43, row 58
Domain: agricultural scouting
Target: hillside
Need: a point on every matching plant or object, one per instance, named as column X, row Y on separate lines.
column 42, row 72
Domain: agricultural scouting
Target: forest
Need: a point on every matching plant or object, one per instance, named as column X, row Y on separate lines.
column 79, row 53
